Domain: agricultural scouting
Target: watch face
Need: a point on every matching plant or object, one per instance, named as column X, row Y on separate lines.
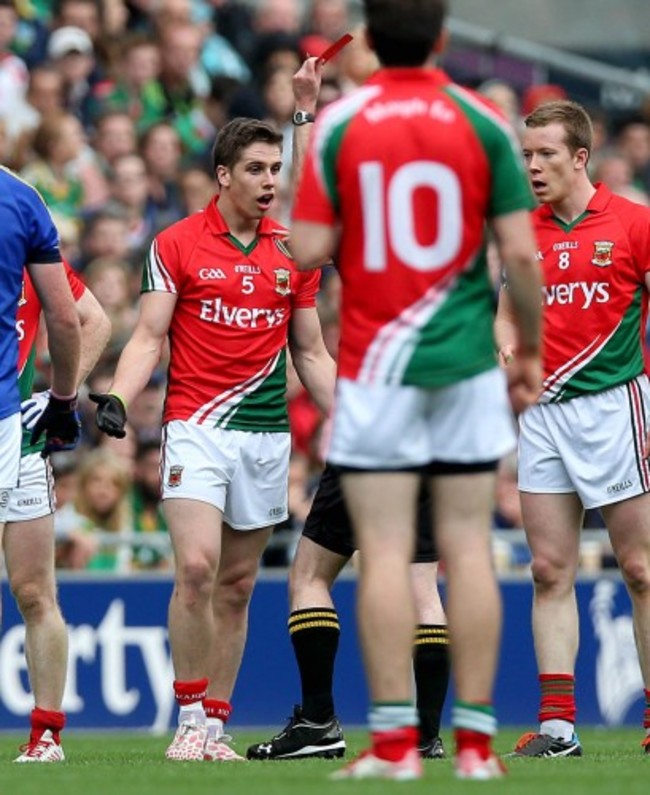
column 302, row 117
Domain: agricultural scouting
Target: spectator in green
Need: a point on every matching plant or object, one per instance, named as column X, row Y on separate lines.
column 137, row 89
column 57, row 145
column 185, row 84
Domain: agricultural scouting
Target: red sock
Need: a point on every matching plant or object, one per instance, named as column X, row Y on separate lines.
column 217, row 709
column 646, row 712
column 43, row 719
column 190, row 692
column 394, row 744
column 477, row 741
column 558, row 700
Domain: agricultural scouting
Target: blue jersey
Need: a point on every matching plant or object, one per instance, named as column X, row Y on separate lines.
column 27, row 236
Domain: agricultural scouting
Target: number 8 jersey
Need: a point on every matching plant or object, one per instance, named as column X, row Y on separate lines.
column 413, row 164
column 594, row 295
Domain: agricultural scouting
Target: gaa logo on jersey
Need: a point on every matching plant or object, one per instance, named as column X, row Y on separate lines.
column 282, row 281
column 175, row 476
column 602, row 253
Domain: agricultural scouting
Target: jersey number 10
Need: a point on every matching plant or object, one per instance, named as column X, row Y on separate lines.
column 393, row 203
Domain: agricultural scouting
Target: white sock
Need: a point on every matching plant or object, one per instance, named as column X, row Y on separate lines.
column 192, row 712
column 215, row 728
column 560, row 729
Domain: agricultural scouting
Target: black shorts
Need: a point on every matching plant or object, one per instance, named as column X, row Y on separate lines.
column 329, row 526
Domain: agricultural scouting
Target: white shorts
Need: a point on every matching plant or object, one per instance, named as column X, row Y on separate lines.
column 591, row 445
column 33, row 497
column 397, row 427
column 10, row 439
column 244, row 474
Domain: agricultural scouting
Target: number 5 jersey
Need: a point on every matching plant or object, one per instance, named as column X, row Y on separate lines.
column 228, row 333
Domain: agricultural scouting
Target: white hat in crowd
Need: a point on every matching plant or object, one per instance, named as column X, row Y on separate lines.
column 69, row 39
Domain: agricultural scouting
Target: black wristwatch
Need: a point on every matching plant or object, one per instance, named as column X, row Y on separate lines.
column 301, row 117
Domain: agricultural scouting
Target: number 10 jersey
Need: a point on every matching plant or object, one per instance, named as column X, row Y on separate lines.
column 413, row 165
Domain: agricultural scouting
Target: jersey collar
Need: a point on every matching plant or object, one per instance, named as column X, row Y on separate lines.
column 597, row 204
column 401, row 74
column 600, row 199
column 214, row 219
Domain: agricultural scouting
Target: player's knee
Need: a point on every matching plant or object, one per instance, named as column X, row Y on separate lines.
column 636, row 573
column 32, row 598
column 194, row 579
column 551, row 574
column 236, row 591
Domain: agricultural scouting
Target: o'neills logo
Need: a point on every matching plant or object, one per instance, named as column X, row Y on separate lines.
column 175, row 476
column 602, row 253
column 282, row 281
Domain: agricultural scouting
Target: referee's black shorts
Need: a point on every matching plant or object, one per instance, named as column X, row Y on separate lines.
column 329, row 526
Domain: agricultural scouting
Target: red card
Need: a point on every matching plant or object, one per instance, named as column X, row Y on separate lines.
column 335, row 48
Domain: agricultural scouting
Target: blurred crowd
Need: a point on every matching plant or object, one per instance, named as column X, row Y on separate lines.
column 110, row 109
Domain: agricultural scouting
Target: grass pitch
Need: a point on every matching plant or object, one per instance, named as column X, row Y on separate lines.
column 134, row 764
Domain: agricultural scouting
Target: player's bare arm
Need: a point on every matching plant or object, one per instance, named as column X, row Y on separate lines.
column 95, row 333
column 315, row 367
column 517, row 250
column 306, row 85
column 62, row 323
column 312, row 244
column 143, row 351
column 505, row 329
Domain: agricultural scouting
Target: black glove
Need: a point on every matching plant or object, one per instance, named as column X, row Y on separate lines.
column 111, row 414
column 60, row 423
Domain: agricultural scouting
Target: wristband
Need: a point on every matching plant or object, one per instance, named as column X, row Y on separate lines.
column 68, row 398
column 119, row 397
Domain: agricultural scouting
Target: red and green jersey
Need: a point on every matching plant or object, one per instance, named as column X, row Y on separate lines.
column 28, row 319
column 413, row 165
column 229, row 329
column 595, row 298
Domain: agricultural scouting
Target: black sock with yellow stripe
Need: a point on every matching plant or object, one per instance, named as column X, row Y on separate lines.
column 431, row 667
column 315, row 637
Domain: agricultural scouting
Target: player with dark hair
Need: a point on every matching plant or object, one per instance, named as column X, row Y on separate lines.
column 402, row 179
column 222, row 286
column 326, row 546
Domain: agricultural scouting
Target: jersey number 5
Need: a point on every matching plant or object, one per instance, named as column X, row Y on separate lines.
column 393, row 204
